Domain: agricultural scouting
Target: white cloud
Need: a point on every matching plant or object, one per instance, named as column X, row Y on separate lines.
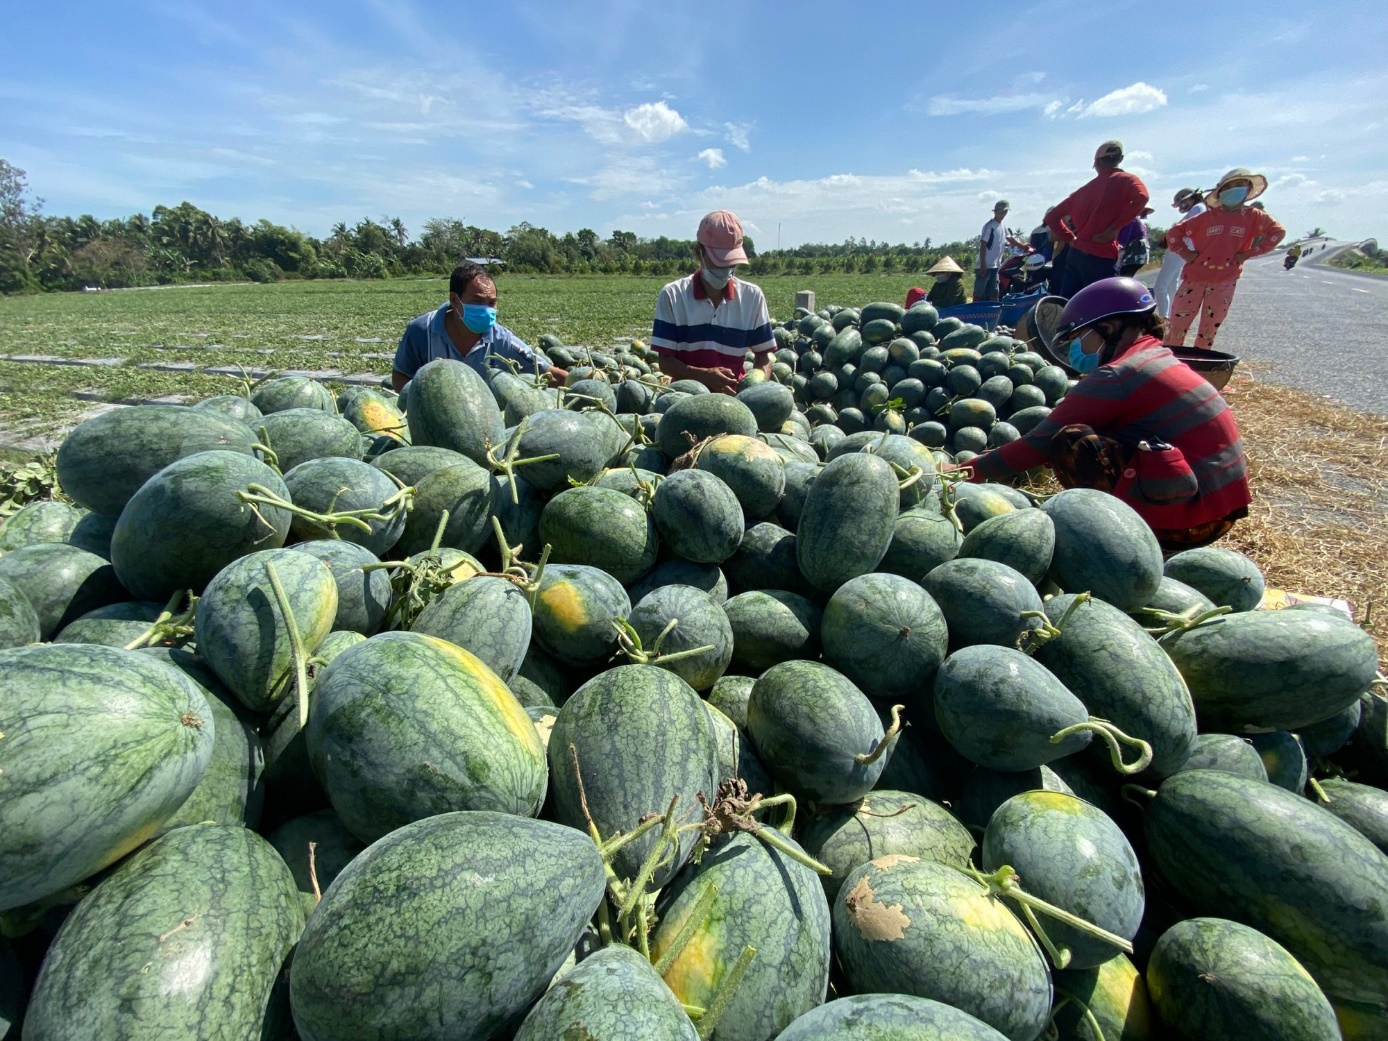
column 1052, row 107
column 1301, row 159
column 654, row 123
column 524, row 184
column 1199, row 88
column 1140, row 155
column 713, row 157
column 949, row 105
column 1129, row 101
column 737, row 135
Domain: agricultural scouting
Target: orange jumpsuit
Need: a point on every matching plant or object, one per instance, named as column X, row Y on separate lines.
column 1223, row 240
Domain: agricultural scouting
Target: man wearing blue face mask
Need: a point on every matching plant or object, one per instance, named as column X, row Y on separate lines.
column 465, row 329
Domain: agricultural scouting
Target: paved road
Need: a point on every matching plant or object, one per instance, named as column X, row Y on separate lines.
column 1322, row 329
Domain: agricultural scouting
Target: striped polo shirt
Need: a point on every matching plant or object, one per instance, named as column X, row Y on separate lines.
column 689, row 327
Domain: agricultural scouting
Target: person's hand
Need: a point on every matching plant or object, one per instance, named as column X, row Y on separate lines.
column 719, row 380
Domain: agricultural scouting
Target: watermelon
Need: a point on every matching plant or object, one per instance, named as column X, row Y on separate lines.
column 698, row 622
column 115, row 625
column 613, row 994
column 730, row 695
column 750, row 467
column 374, row 414
column 762, row 899
column 363, row 597
column 986, row 790
column 843, row 347
column 101, row 747
column 574, row 613
column 1024, row 540
column 1218, row 980
column 1366, row 752
column 93, row 533
column 412, row 464
column 1113, row 993
column 1283, row 758
column 301, row 434
column 886, row 634
column 405, row 726
column 772, row 626
column 186, row 939
column 490, row 617
column 766, row 560
column 1272, row 670
column 1173, row 597
column 847, row 521
column 1226, row 752
column 600, row 527
column 698, row 516
column 451, row 407
column 816, row 732
column 678, row 572
column 770, row 403
column 1103, row 547
column 999, row 708
column 906, row 925
column 735, row 758
column 105, row 460
column 1122, row 675
column 642, row 737
column 1225, row 576
column 1330, row 735
column 233, row 406
column 19, row 622
column 870, row 1017
column 882, row 823
column 186, row 524
column 581, row 454
column 1069, row 854
column 241, row 630
column 1363, row 807
column 293, row 392
column 334, row 847
column 799, row 477
column 61, row 582
column 381, row 955
column 39, row 522
column 921, row 541
column 331, row 486
column 1288, row 868
column 466, row 492
column 701, row 416
column 983, row 602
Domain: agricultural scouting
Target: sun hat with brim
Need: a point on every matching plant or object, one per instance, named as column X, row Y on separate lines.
column 1107, row 298
column 945, row 266
column 1257, row 185
column 1184, row 194
column 720, row 234
column 1034, row 261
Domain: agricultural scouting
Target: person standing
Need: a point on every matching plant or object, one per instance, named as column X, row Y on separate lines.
column 1136, row 250
column 1188, row 202
column 465, row 329
column 990, row 246
column 1222, row 238
column 705, row 323
column 1089, row 219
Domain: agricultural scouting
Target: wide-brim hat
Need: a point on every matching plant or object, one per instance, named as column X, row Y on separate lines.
column 1184, row 194
column 1257, row 185
column 720, row 234
column 945, row 266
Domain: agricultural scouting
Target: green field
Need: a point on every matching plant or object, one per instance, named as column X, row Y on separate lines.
column 307, row 325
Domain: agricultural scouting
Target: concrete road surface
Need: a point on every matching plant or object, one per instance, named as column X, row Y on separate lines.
column 1323, row 329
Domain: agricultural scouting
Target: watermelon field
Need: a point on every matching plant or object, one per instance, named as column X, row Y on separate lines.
column 624, row 710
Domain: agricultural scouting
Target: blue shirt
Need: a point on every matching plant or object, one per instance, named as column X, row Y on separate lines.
column 426, row 339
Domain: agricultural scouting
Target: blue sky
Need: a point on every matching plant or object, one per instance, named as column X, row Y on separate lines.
column 891, row 121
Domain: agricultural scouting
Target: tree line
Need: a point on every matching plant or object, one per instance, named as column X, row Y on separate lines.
column 184, row 243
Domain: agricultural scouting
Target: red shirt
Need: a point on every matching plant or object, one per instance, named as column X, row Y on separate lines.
column 1106, row 203
column 1146, row 393
column 1223, row 239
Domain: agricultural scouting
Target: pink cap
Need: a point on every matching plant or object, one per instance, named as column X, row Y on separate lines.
column 721, row 236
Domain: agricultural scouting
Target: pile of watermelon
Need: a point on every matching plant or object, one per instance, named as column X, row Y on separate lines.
column 628, row 710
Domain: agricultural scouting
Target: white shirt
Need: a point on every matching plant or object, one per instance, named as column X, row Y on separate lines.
column 688, row 326
column 994, row 238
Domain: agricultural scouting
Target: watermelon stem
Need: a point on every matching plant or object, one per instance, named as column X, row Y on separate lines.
column 1315, row 786
column 1005, row 882
column 1171, row 622
column 629, row 643
column 171, row 625
column 698, row 914
column 1032, row 639
column 438, row 534
column 507, row 463
column 868, row 758
column 1111, row 735
column 296, row 644
column 668, row 837
column 268, row 455
column 1128, row 791
column 401, row 502
column 708, row 1022
column 784, row 799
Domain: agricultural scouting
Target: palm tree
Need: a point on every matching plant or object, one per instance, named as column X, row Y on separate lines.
column 397, row 228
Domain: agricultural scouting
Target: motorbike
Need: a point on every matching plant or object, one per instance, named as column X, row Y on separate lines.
column 1290, row 262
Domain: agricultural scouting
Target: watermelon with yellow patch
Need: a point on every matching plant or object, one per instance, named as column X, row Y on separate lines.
column 754, row 471
column 1111, row 996
column 904, row 925
column 762, row 899
column 574, row 611
column 406, row 726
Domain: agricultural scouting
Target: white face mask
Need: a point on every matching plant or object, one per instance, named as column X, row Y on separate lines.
column 717, row 276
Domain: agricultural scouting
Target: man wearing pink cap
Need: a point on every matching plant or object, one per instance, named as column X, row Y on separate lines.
column 705, row 323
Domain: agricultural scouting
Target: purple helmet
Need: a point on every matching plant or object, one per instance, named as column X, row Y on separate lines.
column 1107, row 298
